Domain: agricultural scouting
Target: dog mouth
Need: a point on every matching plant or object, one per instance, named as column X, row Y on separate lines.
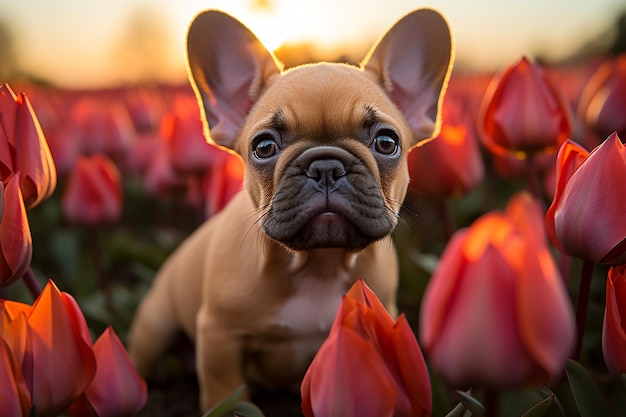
column 328, row 202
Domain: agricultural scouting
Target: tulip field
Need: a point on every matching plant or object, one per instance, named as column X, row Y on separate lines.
column 512, row 249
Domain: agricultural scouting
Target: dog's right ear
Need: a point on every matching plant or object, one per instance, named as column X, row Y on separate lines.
column 229, row 69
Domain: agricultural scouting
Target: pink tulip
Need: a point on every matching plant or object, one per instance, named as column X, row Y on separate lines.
column 52, row 345
column 188, row 148
column 586, row 218
column 523, row 112
column 102, row 126
column 603, row 101
column 16, row 246
column 93, row 194
column 496, row 313
column 23, row 148
column 369, row 365
column 116, row 390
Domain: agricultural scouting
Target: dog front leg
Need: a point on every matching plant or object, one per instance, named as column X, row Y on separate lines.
column 219, row 355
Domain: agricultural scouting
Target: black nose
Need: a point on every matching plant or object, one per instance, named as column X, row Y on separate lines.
column 326, row 171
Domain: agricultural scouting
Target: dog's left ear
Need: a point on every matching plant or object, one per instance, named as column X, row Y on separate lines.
column 412, row 62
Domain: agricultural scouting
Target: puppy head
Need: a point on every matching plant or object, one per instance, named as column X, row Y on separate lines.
column 324, row 145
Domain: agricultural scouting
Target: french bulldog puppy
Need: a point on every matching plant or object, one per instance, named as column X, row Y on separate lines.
column 325, row 148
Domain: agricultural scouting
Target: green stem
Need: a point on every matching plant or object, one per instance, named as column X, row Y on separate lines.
column 103, row 282
column 447, row 219
column 491, row 403
column 534, row 183
column 31, row 282
column 584, row 289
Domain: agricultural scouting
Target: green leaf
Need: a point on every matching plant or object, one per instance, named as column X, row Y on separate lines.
column 458, row 411
column 247, row 409
column 426, row 261
column 227, row 405
column 590, row 400
column 471, row 403
column 541, row 408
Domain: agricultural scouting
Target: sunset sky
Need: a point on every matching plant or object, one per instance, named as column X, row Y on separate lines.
column 79, row 43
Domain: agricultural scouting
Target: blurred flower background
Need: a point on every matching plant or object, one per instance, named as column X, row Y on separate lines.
column 536, row 89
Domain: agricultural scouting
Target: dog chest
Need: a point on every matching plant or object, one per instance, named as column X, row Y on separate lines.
column 282, row 351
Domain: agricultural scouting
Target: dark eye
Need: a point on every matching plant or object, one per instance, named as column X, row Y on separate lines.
column 386, row 142
column 265, row 148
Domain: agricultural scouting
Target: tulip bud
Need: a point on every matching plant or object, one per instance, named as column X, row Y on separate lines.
column 496, row 313
column 586, row 218
column 188, row 148
column 450, row 164
column 602, row 104
column 369, row 365
column 16, row 247
column 50, row 339
column 93, row 194
column 27, row 145
column 523, row 112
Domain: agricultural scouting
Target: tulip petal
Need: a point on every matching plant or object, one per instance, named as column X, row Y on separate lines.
column 333, row 389
column 58, row 347
column 545, row 317
column 441, row 290
column 412, row 367
column 32, row 156
column 116, row 390
column 613, row 328
column 361, row 293
column 8, row 112
column 14, row 394
column 570, row 157
column 589, row 220
column 93, row 194
column 15, row 238
column 479, row 342
column 6, row 162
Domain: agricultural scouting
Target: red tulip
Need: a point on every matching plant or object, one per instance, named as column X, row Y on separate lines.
column 116, row 390
column 52, row 344
column 369, row 365
column 188, row 148
column 586, row 217
column 14, row 394
column 221, row 182
column 614, row 326
column 523, row 112
column 102, row 126
column 449, row 165
column 16, row 246
column 26, row 144
column 496, row 313
column 603, row 101
column 159, row 174
column 93, row 194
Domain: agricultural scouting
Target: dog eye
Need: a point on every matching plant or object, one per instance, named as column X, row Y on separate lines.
column 386, row 142
column 265, row 148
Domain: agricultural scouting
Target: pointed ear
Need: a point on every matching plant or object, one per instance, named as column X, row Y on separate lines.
column 412, row 62
column 228, row 69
